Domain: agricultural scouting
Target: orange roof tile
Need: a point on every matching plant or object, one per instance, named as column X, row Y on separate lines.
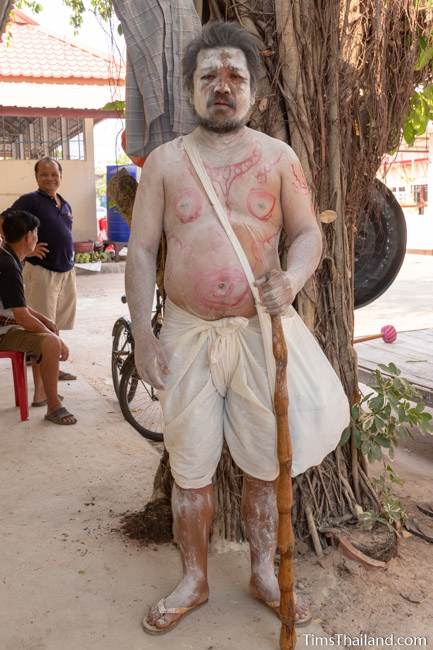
column 34, row 54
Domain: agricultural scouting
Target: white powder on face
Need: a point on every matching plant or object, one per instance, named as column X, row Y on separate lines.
column 219, row 62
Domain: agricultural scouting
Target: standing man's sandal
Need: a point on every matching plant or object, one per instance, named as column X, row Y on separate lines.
column 181, row 612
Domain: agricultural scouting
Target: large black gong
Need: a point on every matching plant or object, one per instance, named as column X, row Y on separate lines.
column 380, row 245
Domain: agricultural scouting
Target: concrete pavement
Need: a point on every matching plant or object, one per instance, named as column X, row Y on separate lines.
column 69, row 579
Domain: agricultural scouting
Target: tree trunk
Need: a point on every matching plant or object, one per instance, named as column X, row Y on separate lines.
column 339, row 75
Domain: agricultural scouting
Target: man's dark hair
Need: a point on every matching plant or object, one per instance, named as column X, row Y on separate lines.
column 47, row 159
column 221, row 34
column 17, row 223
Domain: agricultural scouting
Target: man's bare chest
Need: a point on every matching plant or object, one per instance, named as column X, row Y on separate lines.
column 248, row 188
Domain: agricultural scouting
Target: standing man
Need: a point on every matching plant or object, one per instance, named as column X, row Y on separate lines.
column 49, row 274
column 209, row 363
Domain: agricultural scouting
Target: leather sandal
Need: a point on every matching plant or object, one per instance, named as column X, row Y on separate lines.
column 163, row 610
column 61, row 416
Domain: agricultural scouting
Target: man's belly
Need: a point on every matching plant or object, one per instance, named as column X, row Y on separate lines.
column 203, row 274
column 211, row 293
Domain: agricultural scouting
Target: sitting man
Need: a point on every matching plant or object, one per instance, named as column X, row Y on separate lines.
column 23, row 328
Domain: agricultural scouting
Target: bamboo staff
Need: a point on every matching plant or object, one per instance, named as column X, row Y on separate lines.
column 286, row 540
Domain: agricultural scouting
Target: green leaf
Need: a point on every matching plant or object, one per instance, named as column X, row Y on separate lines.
column 345, row 436
column 393, row 368
column 425, row 56
column 383, row 442
column 377, row 403
column 367, row 423
column 365, row 447
column 379, row 422
column 355, row 411
column 428, row 93
column 356, row 437
column 409, row 133
column 376, row 451
column 118, row 105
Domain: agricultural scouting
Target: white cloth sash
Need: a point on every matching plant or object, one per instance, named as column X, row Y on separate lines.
column 264, row 317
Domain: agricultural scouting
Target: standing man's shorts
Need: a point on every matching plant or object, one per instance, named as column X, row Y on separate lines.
column 217, row 388
column 51, row 293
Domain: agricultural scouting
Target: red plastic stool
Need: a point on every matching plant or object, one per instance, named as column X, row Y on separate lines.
column 20, row 380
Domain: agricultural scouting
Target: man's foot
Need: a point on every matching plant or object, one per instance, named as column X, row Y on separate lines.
column 43, row 402
column 302, row 608
column 168, row 612
column 61, row 416
column 167, row 618
column 66, row 376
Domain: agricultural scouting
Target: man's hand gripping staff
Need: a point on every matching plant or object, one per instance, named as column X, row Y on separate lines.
column 277, row 291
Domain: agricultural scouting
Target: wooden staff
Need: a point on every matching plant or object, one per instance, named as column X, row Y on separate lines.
column 286, row 539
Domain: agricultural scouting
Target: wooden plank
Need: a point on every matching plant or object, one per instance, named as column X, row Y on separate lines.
column 419, row 372
column 416, row 345
column 413, row 356
column 416, row 349
column 405, row 347
column 425, row 334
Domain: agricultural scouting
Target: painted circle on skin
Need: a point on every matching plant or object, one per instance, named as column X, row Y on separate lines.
column 260, row 204
column 188, row 206
column 226, row 287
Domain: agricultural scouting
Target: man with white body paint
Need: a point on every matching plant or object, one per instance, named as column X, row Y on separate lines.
column 211, row 320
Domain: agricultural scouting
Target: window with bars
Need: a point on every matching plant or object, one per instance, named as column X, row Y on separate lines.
column 420, row 193
column 31, row 138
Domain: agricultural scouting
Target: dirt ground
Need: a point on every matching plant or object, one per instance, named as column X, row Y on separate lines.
column 71, row 581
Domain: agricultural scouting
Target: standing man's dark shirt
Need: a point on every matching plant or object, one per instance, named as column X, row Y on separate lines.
column 11, row 288
column 55, row 229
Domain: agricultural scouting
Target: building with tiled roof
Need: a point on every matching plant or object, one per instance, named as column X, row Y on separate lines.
column 52, row 91
column 37, row 55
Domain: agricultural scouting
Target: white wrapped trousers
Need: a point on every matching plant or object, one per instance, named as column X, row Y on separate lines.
column 218, row 387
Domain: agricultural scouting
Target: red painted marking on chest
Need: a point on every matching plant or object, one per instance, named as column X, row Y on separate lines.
column 260, row 204
column 262, row 174
column 189, row 206
column 225, row 176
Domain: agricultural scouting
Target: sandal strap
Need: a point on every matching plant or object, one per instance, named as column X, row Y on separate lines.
column 162, row 609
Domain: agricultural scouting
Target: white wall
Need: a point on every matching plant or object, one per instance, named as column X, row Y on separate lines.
column 77, row 186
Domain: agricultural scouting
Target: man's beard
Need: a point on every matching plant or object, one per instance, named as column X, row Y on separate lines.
column 223, row 125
